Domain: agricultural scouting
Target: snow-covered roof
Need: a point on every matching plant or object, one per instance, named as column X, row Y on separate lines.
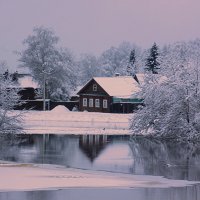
column 27, row 81
column 121, row 86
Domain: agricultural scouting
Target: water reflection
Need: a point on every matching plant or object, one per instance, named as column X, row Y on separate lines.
column 185, row 193
column 111, row 153
column 171, row 159
column 92, row 145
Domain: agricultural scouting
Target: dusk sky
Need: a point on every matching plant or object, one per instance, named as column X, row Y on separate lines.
column 92, row 26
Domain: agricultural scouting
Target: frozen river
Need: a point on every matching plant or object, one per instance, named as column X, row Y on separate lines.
column 139, row 156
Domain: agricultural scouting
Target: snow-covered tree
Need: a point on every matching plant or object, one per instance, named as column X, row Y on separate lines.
column 116, row 59
column 9, row 98
column 172, row 100
column 88, row 68
column 47, row 63
column 174, row 56
column 152, row 60
column 131, row 68
column 132, row 57
column 3, row 67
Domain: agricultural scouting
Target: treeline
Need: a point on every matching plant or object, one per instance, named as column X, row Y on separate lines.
column 172, row 96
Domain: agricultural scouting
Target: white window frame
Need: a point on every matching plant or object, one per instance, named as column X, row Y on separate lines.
column 105, row 103
column 97, row 103
column 84, row 102
column 91, row 103
column 94, row 87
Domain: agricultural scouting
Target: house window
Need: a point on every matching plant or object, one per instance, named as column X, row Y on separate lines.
column 94, row 87
column 105, row 103
column 90, row 102
column 85, row 102
column 97, row 103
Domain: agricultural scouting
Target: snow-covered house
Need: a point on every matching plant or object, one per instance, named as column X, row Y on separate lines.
column 24, row 83
column 110, row 94
column 26, row 80
column 27, row 87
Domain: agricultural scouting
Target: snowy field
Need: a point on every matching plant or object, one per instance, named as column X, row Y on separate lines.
column 28, row 177
column 62, row 121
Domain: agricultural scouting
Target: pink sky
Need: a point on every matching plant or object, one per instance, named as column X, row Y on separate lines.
column 95, row 25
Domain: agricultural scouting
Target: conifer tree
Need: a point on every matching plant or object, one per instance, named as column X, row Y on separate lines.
column 151, row 62
column 132, row 57
column 130, row 66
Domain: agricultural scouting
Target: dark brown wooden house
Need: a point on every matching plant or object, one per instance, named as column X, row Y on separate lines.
column 109, row 94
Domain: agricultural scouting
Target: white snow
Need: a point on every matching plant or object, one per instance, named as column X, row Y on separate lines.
column 60, row 109
column 22, row 177
column 27, row 81
column 121, row 86
column 62, row 122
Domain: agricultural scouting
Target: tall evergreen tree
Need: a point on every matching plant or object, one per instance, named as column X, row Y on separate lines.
column 132, row 57
column 151, row 62
column 130, row 66
column 131, row 69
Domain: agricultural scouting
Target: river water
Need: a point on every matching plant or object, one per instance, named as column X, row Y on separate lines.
column 123, row 154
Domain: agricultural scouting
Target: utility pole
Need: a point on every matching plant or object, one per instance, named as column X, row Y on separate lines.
column 44, row 92
column 45, row 72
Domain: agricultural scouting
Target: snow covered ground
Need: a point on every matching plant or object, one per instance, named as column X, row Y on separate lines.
column 62, row 121
column 28, row 177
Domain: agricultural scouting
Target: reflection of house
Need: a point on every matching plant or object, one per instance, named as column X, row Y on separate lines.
column 110, row 94
column 92, row 145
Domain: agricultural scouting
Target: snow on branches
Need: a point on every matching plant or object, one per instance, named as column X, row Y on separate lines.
column 52, row 67
column 172, row 103
column 9, row 98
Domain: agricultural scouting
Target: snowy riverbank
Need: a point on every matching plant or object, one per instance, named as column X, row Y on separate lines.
column 62, row 121
column 30, row 177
